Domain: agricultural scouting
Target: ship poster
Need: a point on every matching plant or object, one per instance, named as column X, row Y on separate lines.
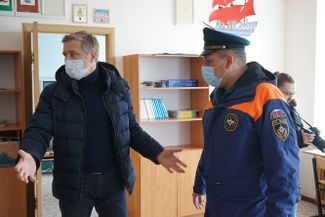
column 233, row 16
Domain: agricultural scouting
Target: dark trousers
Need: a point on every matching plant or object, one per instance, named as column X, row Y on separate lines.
column 104, row 191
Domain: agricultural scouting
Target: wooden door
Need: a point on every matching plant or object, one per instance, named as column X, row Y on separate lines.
column 185, row 184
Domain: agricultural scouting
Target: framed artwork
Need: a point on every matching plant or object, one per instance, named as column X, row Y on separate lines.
column 53, row 8
column 101, row 15
column 6, row 5
column 79, row 13
column 28, row 6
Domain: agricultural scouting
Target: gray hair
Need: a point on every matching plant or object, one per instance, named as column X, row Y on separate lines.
column 89, row 42
column 240, row 55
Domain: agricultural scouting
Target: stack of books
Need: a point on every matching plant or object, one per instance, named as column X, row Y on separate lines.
column 153, row 109
column 190, row 113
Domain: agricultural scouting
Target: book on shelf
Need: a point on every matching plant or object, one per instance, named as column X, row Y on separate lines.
column 181, row 83
column 153, row 109
column 180, row 114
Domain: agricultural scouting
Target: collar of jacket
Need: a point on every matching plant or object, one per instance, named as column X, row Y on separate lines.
column 244, row 88
column 108, row 72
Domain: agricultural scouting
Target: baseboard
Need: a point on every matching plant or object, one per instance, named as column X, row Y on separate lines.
column 308, row 199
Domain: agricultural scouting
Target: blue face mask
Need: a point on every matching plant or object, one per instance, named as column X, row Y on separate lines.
column 209, row 77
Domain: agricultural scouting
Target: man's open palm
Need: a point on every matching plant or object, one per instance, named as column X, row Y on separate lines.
column 168, row 159
column 26, row 167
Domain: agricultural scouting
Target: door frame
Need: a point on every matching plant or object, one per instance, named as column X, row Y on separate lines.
column 30, row 56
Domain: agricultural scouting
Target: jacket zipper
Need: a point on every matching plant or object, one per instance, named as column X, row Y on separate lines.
column 85, row 135
column 115, row 135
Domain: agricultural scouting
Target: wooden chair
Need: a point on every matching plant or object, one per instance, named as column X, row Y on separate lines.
column 319, row 177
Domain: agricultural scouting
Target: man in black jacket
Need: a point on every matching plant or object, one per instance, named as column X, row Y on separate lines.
column 88, row 112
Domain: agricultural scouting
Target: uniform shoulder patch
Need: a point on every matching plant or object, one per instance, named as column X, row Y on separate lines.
column 231, row 122
column 280, row 124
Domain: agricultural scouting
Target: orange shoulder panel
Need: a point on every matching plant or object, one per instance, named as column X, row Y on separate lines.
column 209, row 105
column 264, row 93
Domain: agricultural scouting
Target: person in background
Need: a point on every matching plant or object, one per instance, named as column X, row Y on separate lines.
column 88, row 112
column 249, row 166
column 287, row 86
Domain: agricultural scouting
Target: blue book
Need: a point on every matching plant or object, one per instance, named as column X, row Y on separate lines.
column 181, row 83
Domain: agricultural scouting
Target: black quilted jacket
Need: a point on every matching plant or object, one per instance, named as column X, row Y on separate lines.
column 60, row 114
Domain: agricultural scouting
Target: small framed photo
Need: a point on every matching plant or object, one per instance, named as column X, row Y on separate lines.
column 28, row 6
column 53, row 8
column 6, row 7
column 79, row 13
column 101, row 15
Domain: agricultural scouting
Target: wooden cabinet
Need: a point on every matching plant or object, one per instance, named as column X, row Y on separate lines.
column 157, row 192
column 13, row 193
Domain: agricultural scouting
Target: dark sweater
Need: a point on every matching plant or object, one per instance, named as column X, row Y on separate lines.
column 98, row 154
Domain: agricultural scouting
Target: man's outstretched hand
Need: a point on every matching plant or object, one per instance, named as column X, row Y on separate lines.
column 26, row 167
column 170, row 161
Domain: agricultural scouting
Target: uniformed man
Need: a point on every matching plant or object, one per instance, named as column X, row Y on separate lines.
column 249, row 165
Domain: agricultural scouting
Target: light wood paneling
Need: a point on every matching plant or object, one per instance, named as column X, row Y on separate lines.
column 186, row 181
column 158, row 191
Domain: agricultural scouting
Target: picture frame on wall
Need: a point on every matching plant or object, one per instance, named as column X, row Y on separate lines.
column 101, row 16
column 6, row 7
column 28, row 7
column 79, row 13
column 53, row 8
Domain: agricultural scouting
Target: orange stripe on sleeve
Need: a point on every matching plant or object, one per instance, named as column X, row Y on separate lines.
column 264, row 93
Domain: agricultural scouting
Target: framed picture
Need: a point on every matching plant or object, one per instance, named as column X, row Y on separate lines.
column 79, row 13
column 101, row 15
column 53, row 8
column 6, row 7
column 28, row 6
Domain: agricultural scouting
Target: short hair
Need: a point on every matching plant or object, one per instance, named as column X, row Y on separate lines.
column 240, row 55
column 89, row 42
column 282, row 78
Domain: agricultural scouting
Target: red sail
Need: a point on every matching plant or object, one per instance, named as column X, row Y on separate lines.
column 248, row 9
column 235, row 13
column 221, row 2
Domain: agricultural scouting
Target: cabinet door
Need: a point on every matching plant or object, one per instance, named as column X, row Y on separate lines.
column 185, row 184
column 12, row 194
column 158, row 191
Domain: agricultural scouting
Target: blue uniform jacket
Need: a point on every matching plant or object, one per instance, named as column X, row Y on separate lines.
column 249, row 165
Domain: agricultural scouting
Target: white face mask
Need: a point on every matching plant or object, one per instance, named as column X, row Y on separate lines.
column 76, row 69
column 209, row 76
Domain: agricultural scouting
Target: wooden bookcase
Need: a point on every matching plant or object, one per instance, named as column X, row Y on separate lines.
column 12, row 91
column 158, row 193
column 13, row 193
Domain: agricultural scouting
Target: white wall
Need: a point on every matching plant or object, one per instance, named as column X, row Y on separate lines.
column 320, row 75
column 148, row 26
column 300, row 48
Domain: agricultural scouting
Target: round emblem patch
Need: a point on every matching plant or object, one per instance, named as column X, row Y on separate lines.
column 231, row 122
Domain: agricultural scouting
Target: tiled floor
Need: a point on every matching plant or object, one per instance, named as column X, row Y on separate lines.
column 51, row 207
column 306, row 209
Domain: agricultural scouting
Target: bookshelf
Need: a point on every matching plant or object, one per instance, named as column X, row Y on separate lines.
column 11, row 90
column 12, row 191
column 158, row 193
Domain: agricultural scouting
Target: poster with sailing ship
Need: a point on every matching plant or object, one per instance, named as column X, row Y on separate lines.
column 233, row 16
